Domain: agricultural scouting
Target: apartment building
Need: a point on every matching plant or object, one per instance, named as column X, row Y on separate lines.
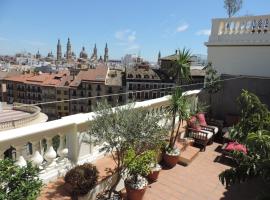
column 35, row 88
column 95, row 82
column 143, row 82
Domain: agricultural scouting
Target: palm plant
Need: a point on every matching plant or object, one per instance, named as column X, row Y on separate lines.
column 182, row 66
column 179, row 105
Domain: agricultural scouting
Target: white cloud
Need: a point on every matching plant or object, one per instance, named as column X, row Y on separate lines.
column 34, row 43
column 133, row 47
column 127, row 38
column 206, row 32
column 3, row 39
column 182, row 28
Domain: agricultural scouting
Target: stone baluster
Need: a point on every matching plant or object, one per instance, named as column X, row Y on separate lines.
column 20, row 161
column 36, row 158
column 50, row 154
column 73, row 144
column 62, row 150
column 237, row 27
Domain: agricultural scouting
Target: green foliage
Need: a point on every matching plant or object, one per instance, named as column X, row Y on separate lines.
column 82, row 178
column 179, row 105
column 139, row 165
column 181, row 68
column 212, row 79
column 254, row 116
column 232, row 6
column 21, row 183
column 252, row 131
column 202, row 107
column 125, row 127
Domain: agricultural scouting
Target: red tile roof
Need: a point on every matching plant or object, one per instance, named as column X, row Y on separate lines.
column 43, row 79
column 97, row 75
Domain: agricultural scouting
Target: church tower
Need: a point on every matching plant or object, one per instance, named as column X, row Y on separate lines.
column 94, row 55
column 59, row 51
column 159, row 57
column 106, row 54
column 68, row 53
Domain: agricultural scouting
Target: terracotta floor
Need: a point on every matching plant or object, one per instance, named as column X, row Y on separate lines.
column 197, row 181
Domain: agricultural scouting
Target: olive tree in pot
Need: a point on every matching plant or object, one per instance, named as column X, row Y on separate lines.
column 137, row 168
column 120, row 128
column 179, row 105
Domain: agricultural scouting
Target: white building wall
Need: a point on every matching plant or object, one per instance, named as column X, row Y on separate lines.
column 240, row 60
column 241, row 45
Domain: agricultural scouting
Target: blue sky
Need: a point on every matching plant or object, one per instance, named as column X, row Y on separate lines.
column 144, row 26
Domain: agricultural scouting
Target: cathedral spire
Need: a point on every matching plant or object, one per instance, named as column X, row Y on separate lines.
column 59, row 51
column 106, row 53
column 159, row 57
column 69, row 52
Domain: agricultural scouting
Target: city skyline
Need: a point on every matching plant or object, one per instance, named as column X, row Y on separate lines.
column 127, row 27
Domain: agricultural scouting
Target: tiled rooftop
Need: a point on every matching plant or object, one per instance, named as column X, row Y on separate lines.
column 197, row 181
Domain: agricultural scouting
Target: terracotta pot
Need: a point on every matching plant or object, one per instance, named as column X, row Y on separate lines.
column 153, row 176
column 135, row 194
column 169, row 160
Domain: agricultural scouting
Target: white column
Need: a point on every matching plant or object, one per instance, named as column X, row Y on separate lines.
column 50, row 154
column 20, row 161
column 36, row 158
column 62, row 150
column 73, row 144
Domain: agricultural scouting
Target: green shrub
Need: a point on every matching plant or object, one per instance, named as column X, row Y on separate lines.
column 82, row 178
column 20, row 183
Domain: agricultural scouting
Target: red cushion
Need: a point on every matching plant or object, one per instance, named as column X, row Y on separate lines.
column 201, row 119
column 235, row 146
column 192, row 122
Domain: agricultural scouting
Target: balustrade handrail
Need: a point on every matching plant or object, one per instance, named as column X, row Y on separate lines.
column 78, row 121
column 241, row 29
column 34, row 110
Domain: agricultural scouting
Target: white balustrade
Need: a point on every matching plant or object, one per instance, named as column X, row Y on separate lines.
column 241, row 30
column 36, row 158
column 72, row 148
column 50, row 154
column 20, row 161
column 62, row 150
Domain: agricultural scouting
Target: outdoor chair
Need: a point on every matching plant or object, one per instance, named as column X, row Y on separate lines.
column 202, row 136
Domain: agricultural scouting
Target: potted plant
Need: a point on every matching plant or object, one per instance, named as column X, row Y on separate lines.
column 81, row 179
column 155, row 168
column 124, row 127
column 137, row 168
column 178, row 106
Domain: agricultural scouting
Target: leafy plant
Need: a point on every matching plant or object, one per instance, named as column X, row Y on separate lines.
column 254, row 116
column 212, row 83
column 122, row 128
column 179, row 105
column 253, row 131
column 19, row 182
column 181, row 69
column 82, row 178
column 139, row 165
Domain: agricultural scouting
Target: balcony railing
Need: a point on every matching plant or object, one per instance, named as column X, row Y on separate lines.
column 241, row 30
column 72, row 149
column 34, row 114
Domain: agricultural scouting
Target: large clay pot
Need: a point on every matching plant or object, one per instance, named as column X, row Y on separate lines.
column 135, row 194
column 153, row 176
column 169, row 160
